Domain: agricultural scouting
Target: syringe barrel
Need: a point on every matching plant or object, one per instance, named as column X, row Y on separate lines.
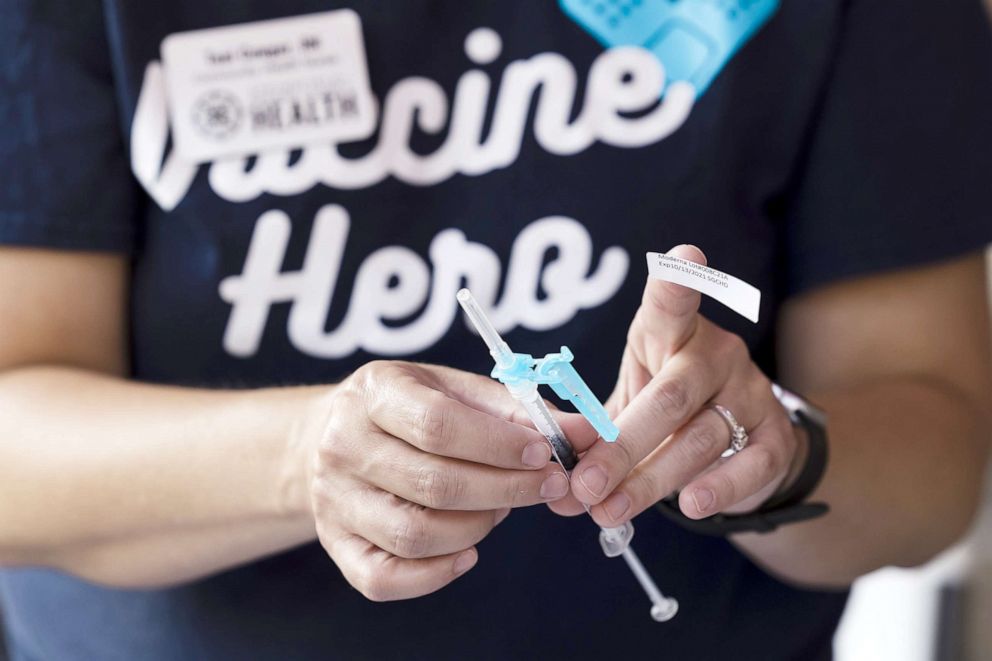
column 547, row 425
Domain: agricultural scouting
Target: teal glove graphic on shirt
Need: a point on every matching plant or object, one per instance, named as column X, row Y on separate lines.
column 694, row 39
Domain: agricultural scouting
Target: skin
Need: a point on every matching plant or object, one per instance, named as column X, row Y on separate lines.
column 402, row 468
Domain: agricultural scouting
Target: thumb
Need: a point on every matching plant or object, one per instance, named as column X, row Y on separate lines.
column 668, row 313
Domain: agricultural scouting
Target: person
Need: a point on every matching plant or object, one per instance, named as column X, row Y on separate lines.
column 242, row 417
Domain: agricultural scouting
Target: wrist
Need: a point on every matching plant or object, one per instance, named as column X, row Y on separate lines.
column 305, row 411
column 799, row 459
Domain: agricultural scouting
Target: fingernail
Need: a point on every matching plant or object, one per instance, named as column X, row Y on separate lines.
column 686, row 245
column 536, row 455
column 465, row 561
column 703, row 498
column 594, row 480
column 554, row 486
column 617, row 505
column 501, row 515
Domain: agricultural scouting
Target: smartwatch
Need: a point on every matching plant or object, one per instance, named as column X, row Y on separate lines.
column 789, row 506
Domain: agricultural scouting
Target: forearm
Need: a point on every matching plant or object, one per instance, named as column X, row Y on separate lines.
column 183, row 554
column 134, row 484
column 907, row 458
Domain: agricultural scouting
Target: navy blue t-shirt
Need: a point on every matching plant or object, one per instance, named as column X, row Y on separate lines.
column 797, row 142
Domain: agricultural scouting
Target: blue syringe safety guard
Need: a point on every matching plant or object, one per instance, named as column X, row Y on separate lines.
column 693, row 39
column 565, row 381
column 556, row 370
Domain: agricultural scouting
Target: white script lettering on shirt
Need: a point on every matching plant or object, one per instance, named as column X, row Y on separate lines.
column 620, row 108
column 394, row 282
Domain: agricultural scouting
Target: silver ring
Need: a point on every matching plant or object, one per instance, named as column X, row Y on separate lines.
column 738, row 435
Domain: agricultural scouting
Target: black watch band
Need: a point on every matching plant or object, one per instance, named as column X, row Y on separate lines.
column 783, row 508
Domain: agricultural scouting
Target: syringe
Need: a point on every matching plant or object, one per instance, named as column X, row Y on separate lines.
column 615, row 541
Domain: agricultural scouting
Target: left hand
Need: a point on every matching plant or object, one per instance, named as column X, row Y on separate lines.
column 675, row 366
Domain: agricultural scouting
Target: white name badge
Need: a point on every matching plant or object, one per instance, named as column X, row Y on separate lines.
column 285, row 83
column 739, row 296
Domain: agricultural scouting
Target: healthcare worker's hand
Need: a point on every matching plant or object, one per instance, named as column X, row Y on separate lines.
column 675, row 366
column 416, row 464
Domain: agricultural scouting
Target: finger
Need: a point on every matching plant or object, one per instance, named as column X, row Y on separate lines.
column 669, row 400
column 684, row 455
column 757, row 468
column 449, row 484
column 491, row 396
column 692, row 449
column 630, row 381
column 567, row 506
column 436, row 423
column 382, row 576
column 668, row 311
column 408, row 530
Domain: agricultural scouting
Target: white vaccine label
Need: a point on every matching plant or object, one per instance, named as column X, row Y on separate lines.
column 736, row 294
column 286, row 83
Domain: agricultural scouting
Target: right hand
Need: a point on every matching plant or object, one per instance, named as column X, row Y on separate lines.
column 416, row 464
